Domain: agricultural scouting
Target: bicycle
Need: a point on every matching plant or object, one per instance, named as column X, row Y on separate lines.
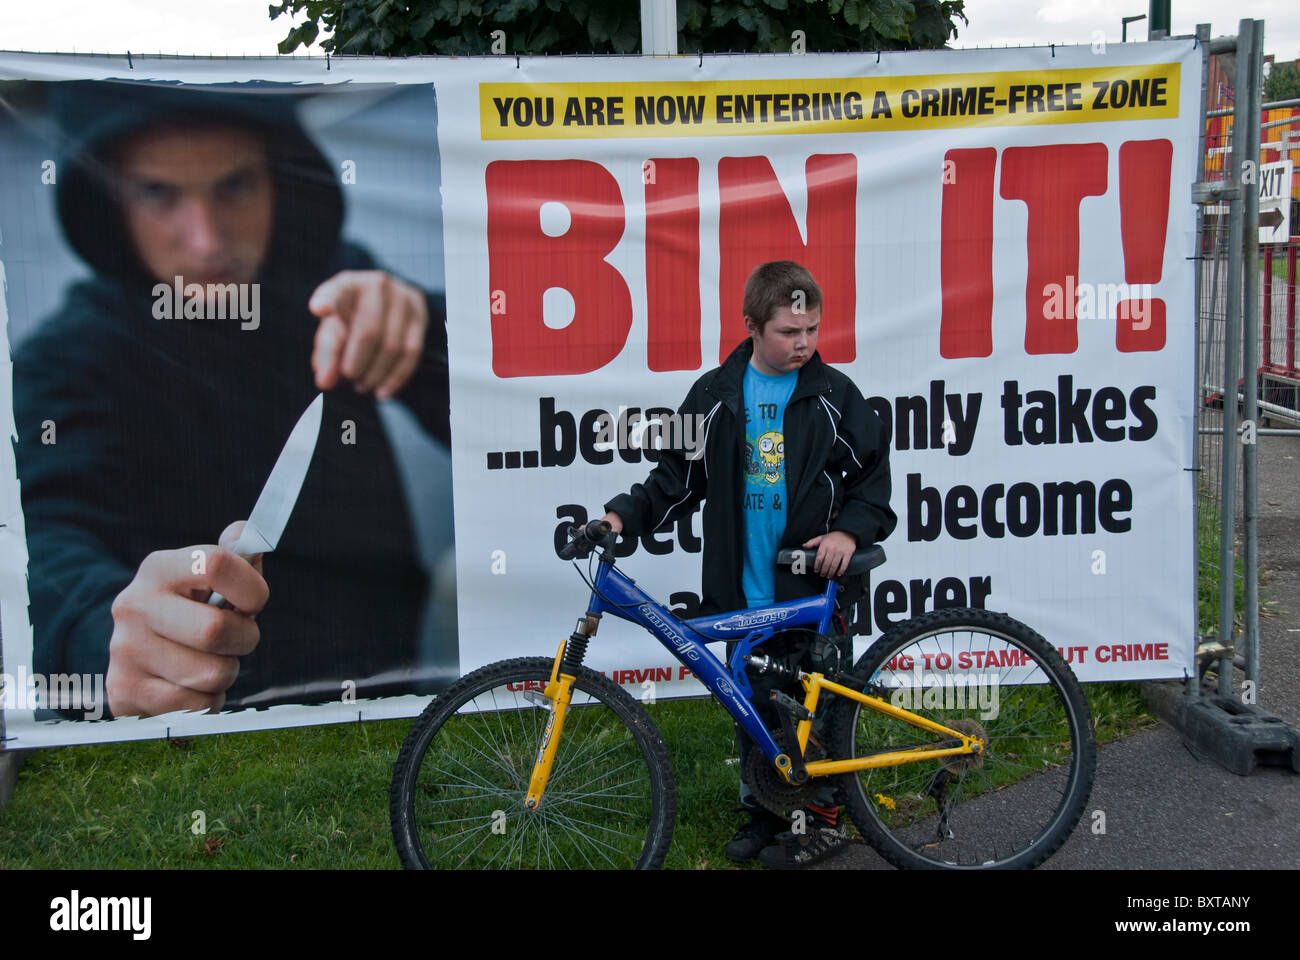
column 546, row 763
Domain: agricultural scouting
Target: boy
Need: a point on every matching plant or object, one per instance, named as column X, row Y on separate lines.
column 791, row 456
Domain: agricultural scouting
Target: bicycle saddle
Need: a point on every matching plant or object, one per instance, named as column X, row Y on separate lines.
column 863, row 560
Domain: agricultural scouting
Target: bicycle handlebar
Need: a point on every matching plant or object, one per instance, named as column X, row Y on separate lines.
column 585, row 538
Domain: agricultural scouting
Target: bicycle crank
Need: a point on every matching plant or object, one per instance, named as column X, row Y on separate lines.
column 770, row 789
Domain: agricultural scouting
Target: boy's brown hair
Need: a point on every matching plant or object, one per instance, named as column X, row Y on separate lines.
column 777, row 284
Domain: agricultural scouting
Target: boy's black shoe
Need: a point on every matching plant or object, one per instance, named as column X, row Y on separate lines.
column 754, row 835
column 822, row 838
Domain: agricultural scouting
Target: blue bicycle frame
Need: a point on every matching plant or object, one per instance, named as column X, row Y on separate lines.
column 618, row 594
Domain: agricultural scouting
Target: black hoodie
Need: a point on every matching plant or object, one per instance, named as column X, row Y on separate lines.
column 166, row 430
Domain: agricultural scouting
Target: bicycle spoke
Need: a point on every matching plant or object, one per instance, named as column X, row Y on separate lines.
column 1037, row 758
column 605, row 798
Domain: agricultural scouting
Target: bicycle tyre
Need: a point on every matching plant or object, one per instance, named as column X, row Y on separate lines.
column 1013, row 806
column 457, row 798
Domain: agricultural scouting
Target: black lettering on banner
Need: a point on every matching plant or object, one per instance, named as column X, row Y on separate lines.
column 1060, row 508
column 889, row 602
column 1073, row 414
column 941, row 420
column 570, row 513
column 553, row 454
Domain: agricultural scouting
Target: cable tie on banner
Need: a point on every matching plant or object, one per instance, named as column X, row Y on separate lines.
column 327, row 62
column 516, row 61
column 701, row 65
column 128, row 60
column 877, row 56
column 1053, row 46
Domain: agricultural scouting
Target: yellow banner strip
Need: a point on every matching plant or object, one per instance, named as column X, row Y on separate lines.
column 563, row 111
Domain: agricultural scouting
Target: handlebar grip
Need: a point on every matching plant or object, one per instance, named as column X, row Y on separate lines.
column 585, row 538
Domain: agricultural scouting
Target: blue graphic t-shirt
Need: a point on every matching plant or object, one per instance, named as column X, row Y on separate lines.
column 764, row 507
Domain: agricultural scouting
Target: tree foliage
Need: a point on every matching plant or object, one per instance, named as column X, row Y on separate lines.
column 466, row 27
column 1282, row 83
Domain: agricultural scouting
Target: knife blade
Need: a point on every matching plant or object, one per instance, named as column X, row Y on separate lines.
column 276, row 502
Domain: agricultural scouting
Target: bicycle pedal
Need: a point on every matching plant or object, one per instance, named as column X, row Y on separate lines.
column 786, row 702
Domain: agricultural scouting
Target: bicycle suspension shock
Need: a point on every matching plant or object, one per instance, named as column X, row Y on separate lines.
column 576, row 648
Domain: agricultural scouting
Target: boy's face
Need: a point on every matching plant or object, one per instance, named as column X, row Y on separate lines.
column 787, row 341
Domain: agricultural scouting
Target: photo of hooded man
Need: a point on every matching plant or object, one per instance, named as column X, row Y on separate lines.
column 151, row 406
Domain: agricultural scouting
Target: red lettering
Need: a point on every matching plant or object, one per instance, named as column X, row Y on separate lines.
column 1143, row 216
column 523, row 263
column 672, row 263
column 756, row 224
column 1052, row 181
column 966, row 254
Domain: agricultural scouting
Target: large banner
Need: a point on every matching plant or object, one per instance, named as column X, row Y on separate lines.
column 1001, row 239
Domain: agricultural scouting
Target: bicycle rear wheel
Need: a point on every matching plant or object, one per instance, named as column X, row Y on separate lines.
column 457, row 799
column 985, row 675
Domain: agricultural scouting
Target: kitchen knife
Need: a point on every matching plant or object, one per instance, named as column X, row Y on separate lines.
column 275, row 504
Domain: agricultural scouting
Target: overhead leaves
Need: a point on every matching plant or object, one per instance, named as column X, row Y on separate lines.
column 460, row 27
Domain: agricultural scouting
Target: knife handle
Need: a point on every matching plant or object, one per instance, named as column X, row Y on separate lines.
column 240, row 549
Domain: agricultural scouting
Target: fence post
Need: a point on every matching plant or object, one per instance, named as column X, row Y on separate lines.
column 1250, row 347
column 1203, row 38
column 1231, row 355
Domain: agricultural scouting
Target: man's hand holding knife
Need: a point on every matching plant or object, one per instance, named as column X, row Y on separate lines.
column 181, row 625
column 170, row 649
column 176, row 639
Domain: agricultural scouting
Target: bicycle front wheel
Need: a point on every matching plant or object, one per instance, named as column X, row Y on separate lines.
column 988, row 676
column 457, row 800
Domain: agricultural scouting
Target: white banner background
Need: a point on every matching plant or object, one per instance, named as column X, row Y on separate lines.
column 515, row 597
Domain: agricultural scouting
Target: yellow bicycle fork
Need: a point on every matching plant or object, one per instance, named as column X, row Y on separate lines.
column 559, row 691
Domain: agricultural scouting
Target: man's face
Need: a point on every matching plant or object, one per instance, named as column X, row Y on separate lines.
column 198, row 203
column 787, row 341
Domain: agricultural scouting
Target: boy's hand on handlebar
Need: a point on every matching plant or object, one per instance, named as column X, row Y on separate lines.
column 834, row 551
column 614, row 520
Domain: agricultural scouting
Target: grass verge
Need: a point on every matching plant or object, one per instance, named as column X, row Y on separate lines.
column 317, row 797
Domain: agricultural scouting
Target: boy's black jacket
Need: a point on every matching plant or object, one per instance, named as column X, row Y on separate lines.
column 837, row 475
